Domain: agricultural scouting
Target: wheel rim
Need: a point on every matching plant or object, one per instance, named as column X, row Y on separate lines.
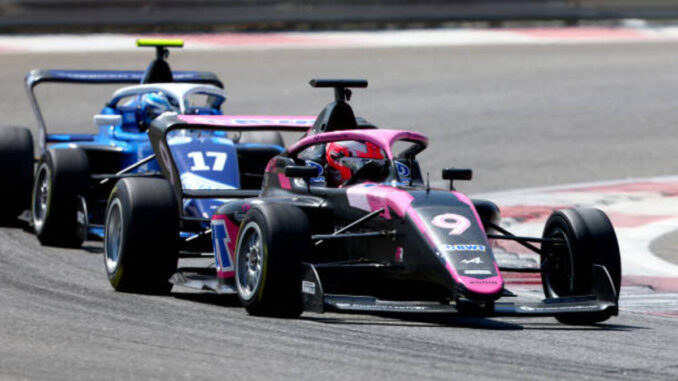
column 41, row 196
column 250, row 260
column 113, row 236
column 558, row 269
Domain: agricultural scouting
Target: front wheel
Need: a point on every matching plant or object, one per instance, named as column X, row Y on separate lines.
column 141, row 236
column 585, row 262
column 271, row 243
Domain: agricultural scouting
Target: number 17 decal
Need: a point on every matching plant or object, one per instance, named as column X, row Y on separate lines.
column 199, row 161
column 455, row 223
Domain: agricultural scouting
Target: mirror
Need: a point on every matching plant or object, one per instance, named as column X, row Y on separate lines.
column 457, row 174
column 107, row 120
column 301, row 171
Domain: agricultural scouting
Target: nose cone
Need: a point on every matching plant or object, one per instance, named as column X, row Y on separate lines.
column 476, row 287
column 455, row 233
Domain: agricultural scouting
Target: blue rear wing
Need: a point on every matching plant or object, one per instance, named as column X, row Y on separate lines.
column 114, row 76
column 95, row 77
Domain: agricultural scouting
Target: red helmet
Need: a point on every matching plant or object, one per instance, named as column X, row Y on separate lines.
column 345, row 158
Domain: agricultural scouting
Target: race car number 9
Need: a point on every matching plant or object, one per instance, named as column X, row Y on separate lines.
column 455, row 223
column 199, row 163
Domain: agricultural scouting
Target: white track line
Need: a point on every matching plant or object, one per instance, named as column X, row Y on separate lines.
column 319, row 40
column 642, row 211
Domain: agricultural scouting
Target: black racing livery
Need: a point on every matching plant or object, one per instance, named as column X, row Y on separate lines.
column 383, row 241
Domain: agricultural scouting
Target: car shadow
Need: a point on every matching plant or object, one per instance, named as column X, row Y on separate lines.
column 93, row 248
column 384, row 319
column 415, row 320
column 604, row 326
column 475, row 322
column 208, row 298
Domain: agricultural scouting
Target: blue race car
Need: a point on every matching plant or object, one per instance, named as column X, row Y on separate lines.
column 71, row 181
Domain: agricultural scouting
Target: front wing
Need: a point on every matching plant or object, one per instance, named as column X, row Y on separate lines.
column 315, row 300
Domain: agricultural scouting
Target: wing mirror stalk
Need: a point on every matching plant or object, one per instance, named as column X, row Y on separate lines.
column 302, row 171
column 456, row 174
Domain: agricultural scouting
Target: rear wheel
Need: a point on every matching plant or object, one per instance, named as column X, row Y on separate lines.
column 141, row 236
column 61, row 181
column 271, row 244
column 16, row 168
column 586, row 263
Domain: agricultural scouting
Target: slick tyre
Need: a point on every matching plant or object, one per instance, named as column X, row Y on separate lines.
column 271, row 243
column 61, row 178
column 587, row 262
column 263, row 137
column 16, row 172
column 141, row 236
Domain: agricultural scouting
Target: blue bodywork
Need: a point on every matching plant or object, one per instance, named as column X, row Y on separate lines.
column 204, row 159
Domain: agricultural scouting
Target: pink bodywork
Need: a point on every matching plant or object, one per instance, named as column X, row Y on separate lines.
column 284, row 181
column 384, row 139
column 371, row 197
column 232, row 232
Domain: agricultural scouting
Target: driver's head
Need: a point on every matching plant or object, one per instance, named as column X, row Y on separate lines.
column 345, row 158
column 150, row 106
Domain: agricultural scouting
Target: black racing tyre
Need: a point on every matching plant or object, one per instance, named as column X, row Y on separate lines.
column 141, row 236
column 16, row 172
column 569, row 268
column 271, row 243
column 61, row 178
column 262, row 137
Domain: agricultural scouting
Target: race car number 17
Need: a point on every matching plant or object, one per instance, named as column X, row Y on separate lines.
column 199, row 163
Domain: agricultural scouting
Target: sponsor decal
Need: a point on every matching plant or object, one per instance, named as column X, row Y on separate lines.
column 483, row 282
column 220, row 240
column 178, row 140
column 379, row 307
column 463, row 248
column 403, row 170
column 95, row 76
column 320, row 179
column 192, row 181
column 308, row 287
column 225, row 121
column 455, row 223
column 399, row 254
column 477, row 272
column 476, row 261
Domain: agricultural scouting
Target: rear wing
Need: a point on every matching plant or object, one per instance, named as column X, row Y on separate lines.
column 97, row 77
column 166, row 123
column 114, row 76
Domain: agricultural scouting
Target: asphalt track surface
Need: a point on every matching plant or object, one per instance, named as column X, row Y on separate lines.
column 521, row 116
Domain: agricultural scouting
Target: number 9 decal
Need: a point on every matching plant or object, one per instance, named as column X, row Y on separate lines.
column 455, row 223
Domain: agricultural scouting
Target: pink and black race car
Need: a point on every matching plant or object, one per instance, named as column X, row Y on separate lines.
column 345, row 221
